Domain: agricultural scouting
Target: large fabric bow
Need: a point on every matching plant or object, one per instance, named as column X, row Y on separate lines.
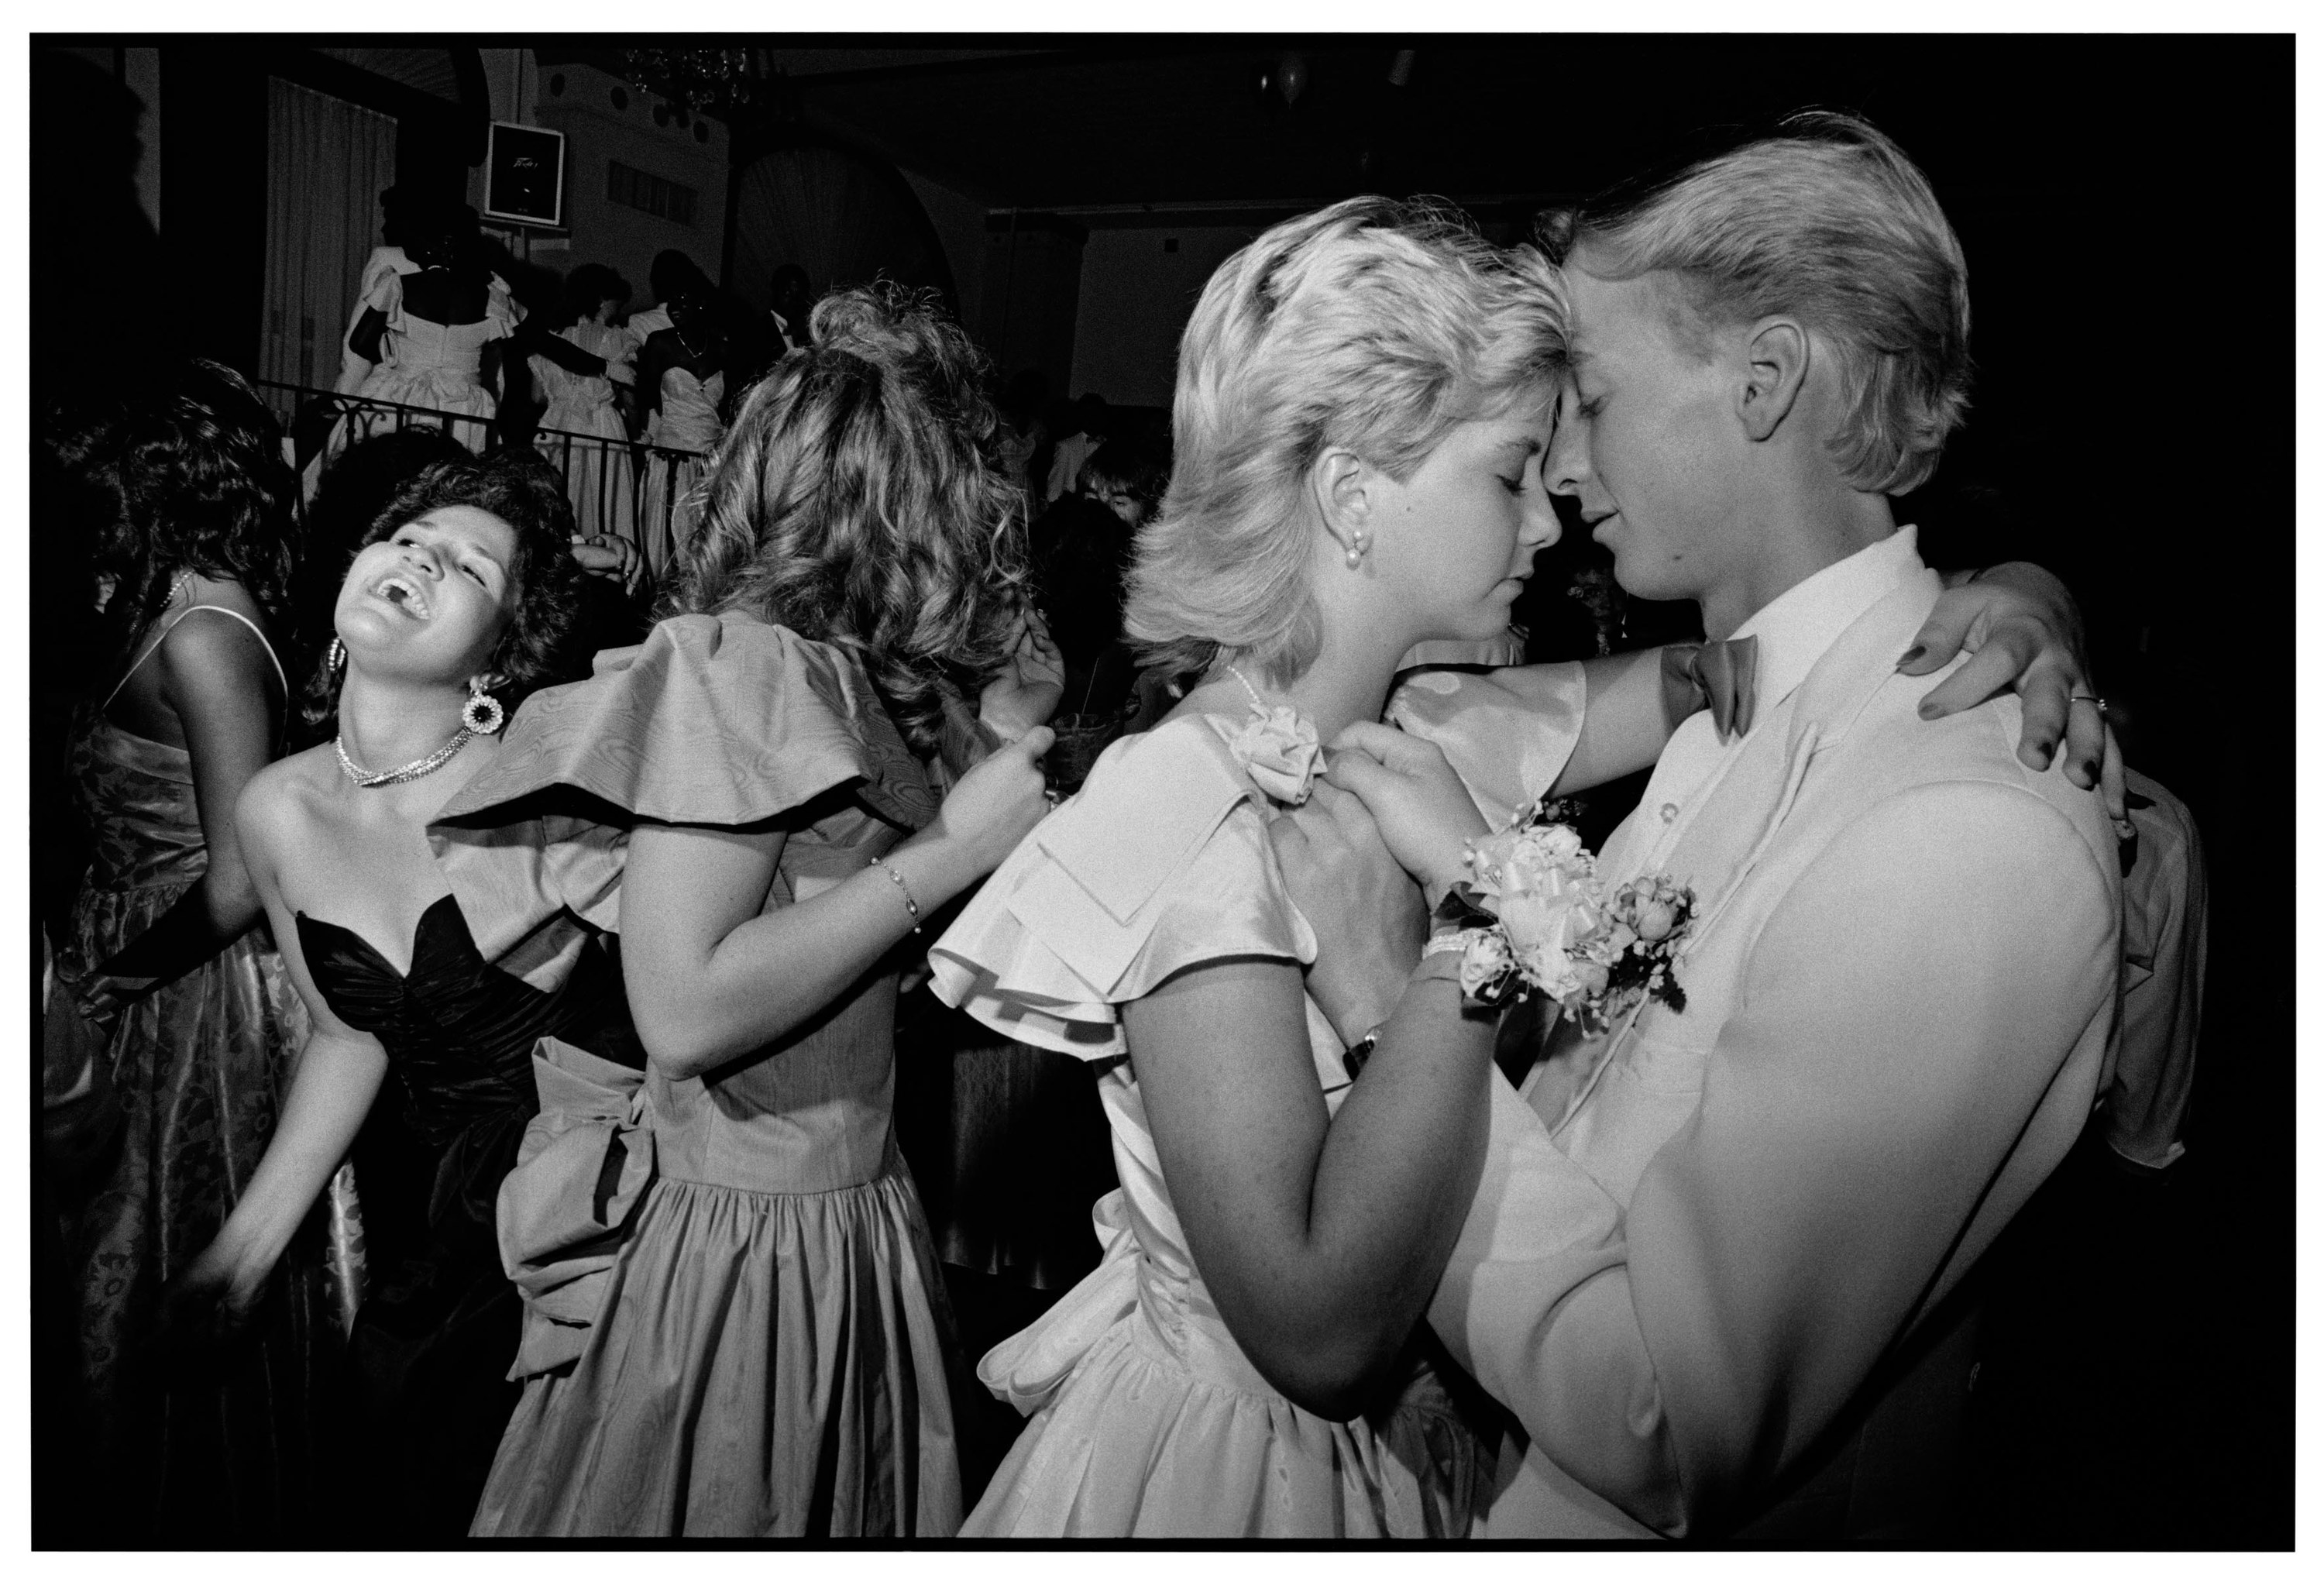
column 1721, row 677
column 567, row 1206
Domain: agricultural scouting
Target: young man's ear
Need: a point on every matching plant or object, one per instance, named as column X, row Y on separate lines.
column 1776, row 357
column 1342, row 486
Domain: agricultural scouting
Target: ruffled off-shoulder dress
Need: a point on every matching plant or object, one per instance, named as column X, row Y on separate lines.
column 1148, row 1419
column 731, row 1320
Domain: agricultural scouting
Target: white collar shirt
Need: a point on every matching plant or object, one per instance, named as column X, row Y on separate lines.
column 1795, row 629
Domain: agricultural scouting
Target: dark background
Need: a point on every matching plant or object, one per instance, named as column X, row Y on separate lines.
column 2127, row 205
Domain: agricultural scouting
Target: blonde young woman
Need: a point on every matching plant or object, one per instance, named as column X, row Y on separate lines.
column 732, row 1306
column 1365, row 399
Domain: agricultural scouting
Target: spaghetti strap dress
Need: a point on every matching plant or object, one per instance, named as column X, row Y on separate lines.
column 732, row 1322
column 199, row 1068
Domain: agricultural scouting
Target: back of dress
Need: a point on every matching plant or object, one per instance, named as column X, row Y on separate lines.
column 813, row 1111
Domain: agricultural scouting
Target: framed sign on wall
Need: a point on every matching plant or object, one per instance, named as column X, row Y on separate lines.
column 524, row 175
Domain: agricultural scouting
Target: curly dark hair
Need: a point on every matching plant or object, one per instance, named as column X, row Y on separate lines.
column 851, row 503
column 518, row 486
column 195, row 475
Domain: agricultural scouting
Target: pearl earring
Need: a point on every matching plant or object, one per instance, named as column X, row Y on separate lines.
column 1355, row 548
column 334, row 657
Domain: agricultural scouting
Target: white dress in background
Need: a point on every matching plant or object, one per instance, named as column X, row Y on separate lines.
column 688, row 420
column 1148, row 1419
column 424, row 365
column 599, row 476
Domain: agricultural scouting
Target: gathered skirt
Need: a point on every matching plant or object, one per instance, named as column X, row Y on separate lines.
column 761, row 1364
column 600, row 478
column 1138, row 1443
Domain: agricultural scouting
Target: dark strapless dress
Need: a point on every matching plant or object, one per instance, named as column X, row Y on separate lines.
column 435, row 1339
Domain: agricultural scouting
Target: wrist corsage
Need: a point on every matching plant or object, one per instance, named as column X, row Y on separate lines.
column 1533, row 916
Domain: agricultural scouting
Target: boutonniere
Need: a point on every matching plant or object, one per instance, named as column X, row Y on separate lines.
column 1277, row 747
column 1532, row 916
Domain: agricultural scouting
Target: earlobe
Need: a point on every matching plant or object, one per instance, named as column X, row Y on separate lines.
column 1343, row 497
column 1778, row 355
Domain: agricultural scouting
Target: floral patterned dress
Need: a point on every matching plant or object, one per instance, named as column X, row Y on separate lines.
column 199, row 1068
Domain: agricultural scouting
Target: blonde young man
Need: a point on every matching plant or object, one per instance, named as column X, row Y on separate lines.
column 1696, row 1268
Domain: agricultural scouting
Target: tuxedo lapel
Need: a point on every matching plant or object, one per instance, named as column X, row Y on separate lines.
column 1741, row 813
column 1715, row 851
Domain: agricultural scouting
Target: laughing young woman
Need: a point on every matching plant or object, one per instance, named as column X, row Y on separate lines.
column 439, row 965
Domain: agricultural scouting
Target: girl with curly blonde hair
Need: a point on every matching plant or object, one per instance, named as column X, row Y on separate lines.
column 731, row 1294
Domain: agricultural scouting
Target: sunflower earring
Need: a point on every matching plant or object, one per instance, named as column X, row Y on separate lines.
column 482, row 715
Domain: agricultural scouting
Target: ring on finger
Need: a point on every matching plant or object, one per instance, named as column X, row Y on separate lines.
column 2073, row 699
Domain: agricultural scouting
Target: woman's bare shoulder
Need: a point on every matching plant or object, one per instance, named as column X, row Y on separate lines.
column 292, row 788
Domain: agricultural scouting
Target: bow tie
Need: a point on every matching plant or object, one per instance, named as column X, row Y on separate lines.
column 1722, row 676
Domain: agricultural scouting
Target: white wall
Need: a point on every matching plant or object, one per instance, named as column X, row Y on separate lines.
column 604, row 232
column 1135, row 299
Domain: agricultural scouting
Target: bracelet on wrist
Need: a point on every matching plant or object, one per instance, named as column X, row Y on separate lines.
column 911, row 904
column 1436, row 965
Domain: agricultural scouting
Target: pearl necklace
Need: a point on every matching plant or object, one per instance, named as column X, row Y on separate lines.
column 424, row 766
column 1256, row 703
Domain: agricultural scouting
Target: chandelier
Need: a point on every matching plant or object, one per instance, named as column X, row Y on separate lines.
column 724, row 83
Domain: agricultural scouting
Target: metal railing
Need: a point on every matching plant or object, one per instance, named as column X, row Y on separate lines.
column 623, row 487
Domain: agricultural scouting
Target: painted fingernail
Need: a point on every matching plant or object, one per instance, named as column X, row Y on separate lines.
column 1928, row 710
column 1911, row 655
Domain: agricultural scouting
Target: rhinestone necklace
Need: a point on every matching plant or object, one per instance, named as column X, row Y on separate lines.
column 418, row 768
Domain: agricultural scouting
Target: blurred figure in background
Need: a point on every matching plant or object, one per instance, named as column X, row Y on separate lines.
column 682, row 383
column 1078, row 429
column 793, row 302
column 1021, row 432
column 428, row 333
column 598, row 477
column 201, row 1019
column 671, row 273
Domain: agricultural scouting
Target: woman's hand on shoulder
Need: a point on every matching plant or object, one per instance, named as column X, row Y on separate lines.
column 2024, row 632
column 993, row 808
column 1416, row 802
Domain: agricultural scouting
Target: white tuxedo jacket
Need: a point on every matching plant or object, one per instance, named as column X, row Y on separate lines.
column 1679, row 1272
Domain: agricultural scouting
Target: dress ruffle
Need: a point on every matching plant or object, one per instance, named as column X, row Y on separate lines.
column 713, row 721
column 1085, row 917
column 1507, row 733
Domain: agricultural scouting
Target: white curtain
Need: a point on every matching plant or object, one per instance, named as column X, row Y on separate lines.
column 326, row 162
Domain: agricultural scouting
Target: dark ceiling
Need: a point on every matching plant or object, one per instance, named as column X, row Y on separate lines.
column 1179, row 122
